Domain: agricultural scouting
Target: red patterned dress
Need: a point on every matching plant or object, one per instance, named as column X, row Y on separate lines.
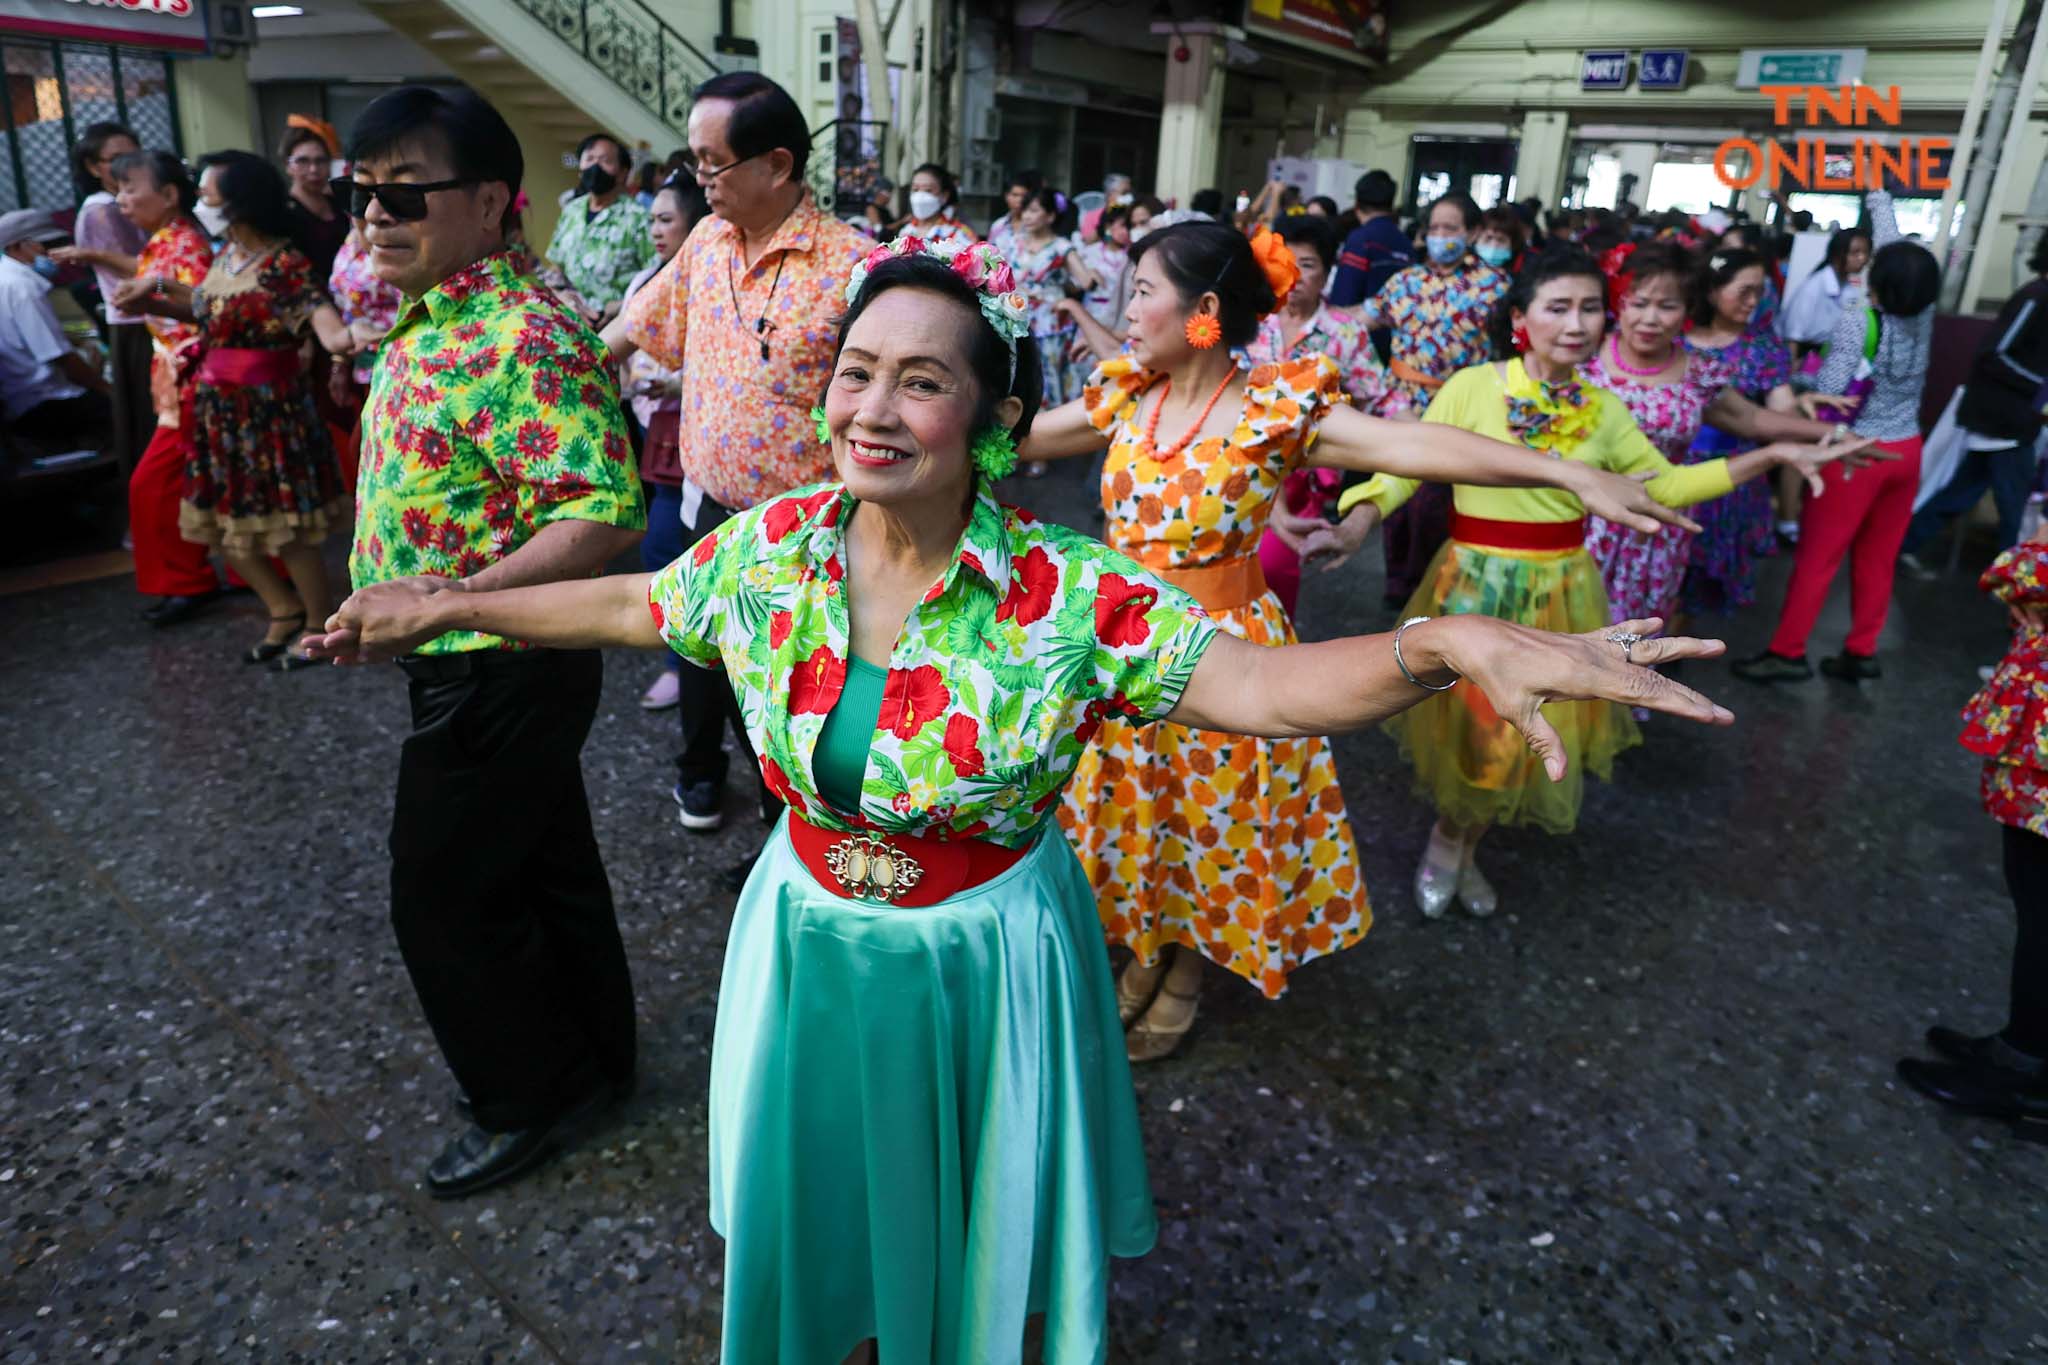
column 263, row 474
column 2006, row 723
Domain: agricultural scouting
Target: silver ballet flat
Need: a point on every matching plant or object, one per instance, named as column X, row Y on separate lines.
column 1435, row 888
column 1476, row 893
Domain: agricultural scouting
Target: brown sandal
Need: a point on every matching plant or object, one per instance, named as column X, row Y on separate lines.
column 1145, row 1042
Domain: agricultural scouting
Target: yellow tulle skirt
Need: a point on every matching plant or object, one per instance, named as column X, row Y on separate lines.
column 1472, row 766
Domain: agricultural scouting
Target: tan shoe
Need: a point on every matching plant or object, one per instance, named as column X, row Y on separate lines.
column 1147, row 1041
column 1133, row 997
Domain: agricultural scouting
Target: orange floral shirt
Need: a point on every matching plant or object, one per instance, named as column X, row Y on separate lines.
column 1208, row 503
column 176, row 251
column 753, row 347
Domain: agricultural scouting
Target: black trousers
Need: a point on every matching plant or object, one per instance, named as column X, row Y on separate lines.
column 129, row 348
column 500, row 902
column 706, row 703
column 86, row 418
column 2026, row 876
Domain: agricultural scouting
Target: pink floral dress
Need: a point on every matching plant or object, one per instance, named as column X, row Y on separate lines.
column 1644, row 572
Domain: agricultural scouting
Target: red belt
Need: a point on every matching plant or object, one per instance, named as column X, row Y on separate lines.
column 1518, row 535
column 246, row 365
column 907, row 870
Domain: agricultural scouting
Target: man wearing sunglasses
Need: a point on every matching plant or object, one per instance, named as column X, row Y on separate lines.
column 743, row 313
column 494, row 455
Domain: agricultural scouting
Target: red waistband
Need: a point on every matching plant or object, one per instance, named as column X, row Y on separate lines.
column 1519, row 535
column 904, row 870
column 245, row 365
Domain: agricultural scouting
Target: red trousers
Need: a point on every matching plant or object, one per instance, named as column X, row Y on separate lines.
column 1863, row 516
column 166, row 564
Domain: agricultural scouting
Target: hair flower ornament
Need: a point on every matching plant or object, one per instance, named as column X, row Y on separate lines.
column 1277, row 263
column 980, row 266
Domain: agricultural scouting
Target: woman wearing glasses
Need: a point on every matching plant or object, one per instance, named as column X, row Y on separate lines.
column 319, row 227
column 262, row 479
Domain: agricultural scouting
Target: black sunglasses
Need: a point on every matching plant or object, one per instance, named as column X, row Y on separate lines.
column 405, row 202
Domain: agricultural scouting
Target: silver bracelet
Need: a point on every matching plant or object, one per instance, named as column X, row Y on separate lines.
column 1405, row 671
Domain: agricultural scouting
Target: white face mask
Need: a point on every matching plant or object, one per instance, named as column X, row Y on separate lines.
column 924, row 205
column 212, row 218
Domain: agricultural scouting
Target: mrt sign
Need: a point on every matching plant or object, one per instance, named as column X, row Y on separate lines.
column 1603, row 70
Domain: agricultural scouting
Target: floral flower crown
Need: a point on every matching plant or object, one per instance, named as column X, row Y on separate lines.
column 980, row 265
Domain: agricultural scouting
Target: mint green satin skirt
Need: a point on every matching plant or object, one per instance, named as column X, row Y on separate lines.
column 922, row 1122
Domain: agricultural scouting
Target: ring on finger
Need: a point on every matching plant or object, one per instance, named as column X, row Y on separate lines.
column 1628, row 640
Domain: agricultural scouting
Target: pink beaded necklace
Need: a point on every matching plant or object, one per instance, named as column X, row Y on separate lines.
column 1614, row 355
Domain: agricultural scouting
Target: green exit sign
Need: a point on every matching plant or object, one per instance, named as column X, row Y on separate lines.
column 1836, row 66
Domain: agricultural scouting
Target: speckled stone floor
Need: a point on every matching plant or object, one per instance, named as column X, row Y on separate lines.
column 1646, row 1113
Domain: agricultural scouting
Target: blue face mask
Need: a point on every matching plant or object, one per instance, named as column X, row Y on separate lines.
column 45, row 267
column 1445, row 250
column 1496, row 253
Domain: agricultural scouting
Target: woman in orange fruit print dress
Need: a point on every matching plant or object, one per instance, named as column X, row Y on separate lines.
column 1201, row 845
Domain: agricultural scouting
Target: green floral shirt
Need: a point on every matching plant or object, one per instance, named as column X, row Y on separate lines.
column 1001, row 675
column 493, row 411
column 602, row 253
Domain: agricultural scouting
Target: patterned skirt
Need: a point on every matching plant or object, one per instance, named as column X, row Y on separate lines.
column 1735, row 532
column 1237, row 848
column 1641, row 571
column 263, row 475
column 1471, row 765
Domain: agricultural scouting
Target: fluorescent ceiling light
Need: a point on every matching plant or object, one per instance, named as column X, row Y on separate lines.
column 275, row 12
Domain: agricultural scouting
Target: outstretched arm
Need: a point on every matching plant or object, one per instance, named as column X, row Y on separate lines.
column 1338, row 685
column 1436, row 452
column 388, row 619
column 1060, row 433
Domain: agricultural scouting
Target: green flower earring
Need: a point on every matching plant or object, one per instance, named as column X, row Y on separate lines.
column 824, row 429
column 993, row 452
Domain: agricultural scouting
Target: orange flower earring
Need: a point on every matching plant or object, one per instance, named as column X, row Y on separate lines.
column 1203, row 331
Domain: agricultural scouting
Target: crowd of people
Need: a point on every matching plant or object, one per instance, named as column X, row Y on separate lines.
column 987, row 745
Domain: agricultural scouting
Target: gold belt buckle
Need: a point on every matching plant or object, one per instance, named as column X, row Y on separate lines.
column 869, row 869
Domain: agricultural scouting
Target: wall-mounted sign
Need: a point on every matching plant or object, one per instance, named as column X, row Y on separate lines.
column 1350, row 28
column 1761, row 66
column 1661, row 69
column 179, row 24
column 1603, row 70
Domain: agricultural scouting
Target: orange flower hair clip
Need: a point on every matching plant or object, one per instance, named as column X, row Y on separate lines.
column 1276, row 259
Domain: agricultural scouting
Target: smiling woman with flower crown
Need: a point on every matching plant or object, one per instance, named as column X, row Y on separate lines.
column 922, row 1127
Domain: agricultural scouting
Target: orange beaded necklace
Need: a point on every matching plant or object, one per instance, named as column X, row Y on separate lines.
column 1152, row 423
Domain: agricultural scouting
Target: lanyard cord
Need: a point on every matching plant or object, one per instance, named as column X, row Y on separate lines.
column 761, row 324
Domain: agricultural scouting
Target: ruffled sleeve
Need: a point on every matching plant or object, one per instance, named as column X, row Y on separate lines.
column 1112, row 391
column 1284, row 402
column 2007, row 721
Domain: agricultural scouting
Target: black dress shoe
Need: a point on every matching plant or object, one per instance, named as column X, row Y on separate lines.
column 1855, row 668
column 734, row 878
column 1974, row 1089
column 1772, row 668
column 478, row 1159
column 1990, row 1050
column 174, row 611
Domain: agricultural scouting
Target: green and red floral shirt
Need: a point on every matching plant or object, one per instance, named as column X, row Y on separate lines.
column 492, row 413
column 1002, row 673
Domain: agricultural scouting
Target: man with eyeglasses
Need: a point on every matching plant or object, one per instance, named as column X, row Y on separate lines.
column 601, row 240
column 494, row 455
column 744, row 314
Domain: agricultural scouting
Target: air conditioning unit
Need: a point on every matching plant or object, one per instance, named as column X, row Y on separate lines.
column 987, row 123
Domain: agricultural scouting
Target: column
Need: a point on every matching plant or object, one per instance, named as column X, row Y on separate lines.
column 214, row 108
column 1541, row 156
column 1191, row 122
column 1637, row 159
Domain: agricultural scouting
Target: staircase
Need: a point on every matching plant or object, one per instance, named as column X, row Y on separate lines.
column 558, row 69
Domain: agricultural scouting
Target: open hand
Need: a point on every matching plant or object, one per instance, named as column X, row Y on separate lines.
column 1625, row 500
column 1294, row 528
column 1520, row 668
column 1809, row 460
column 1331, row 547
column 1811, row 405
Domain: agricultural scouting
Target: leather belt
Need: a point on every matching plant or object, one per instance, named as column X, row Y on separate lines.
column 904, row 870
